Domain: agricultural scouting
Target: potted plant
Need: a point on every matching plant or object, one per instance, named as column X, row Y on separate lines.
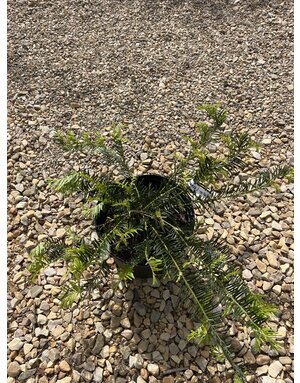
column 148, row 224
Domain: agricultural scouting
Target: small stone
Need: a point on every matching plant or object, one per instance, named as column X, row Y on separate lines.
column 153, row 369
column 41, row 319
column 16, row 344
column 76, row 376
column 27, row 374
column 249, row 357
column 127, row 334
column 98, row 375
column 99, row 343
column 143, row 346
column 265, row 214
column 202, row 363
column 27, row 348
column 116, row 310
column 136, row 361
column 155, row 316
column 57, row 331
column 64, row 366
column 140, row 308
column 13, row 369
column 156, row 356
column 276, row 226
column 108, row 294
column 272, row 259
column 281, row 333
column 247, row 275
column 267, row 379
column 275, row 368
column 125, row 323
column 21, row 205
column 267, row 285
column 89, row 366
column 182, row 344
column 143, row 156
column 54, row 354
column 285, row 360
column 140, row 380
column 107, row 334
column 173, row 349
column 277, row 289
column 35, row 291
column 165, row 336
column 146, row 333
column 105, row 352
column 113, row 349
column 168, row 379
column 67, row 379
column 188, row 374
column 114, row 322
column 256, row 155
column 60, row 233
column 41, row 332
column 262, row 359
column 50, row 272
column 44, row 306
column 261, row 61
column 262, row 370
column 262, row 267
column 192, row 350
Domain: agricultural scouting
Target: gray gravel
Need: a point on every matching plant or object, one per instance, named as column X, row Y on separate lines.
column 85, row 64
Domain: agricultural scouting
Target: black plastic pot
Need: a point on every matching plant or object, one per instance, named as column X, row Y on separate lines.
column 187, row 221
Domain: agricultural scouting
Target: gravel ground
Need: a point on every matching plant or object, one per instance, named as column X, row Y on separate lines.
column 86, row 63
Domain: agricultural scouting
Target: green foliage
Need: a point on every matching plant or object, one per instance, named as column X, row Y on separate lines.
column 152, row 224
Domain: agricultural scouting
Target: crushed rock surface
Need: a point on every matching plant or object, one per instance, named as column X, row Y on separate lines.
column 85, row 64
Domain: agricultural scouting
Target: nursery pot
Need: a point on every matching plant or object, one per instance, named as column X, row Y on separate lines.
column 188, row 223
